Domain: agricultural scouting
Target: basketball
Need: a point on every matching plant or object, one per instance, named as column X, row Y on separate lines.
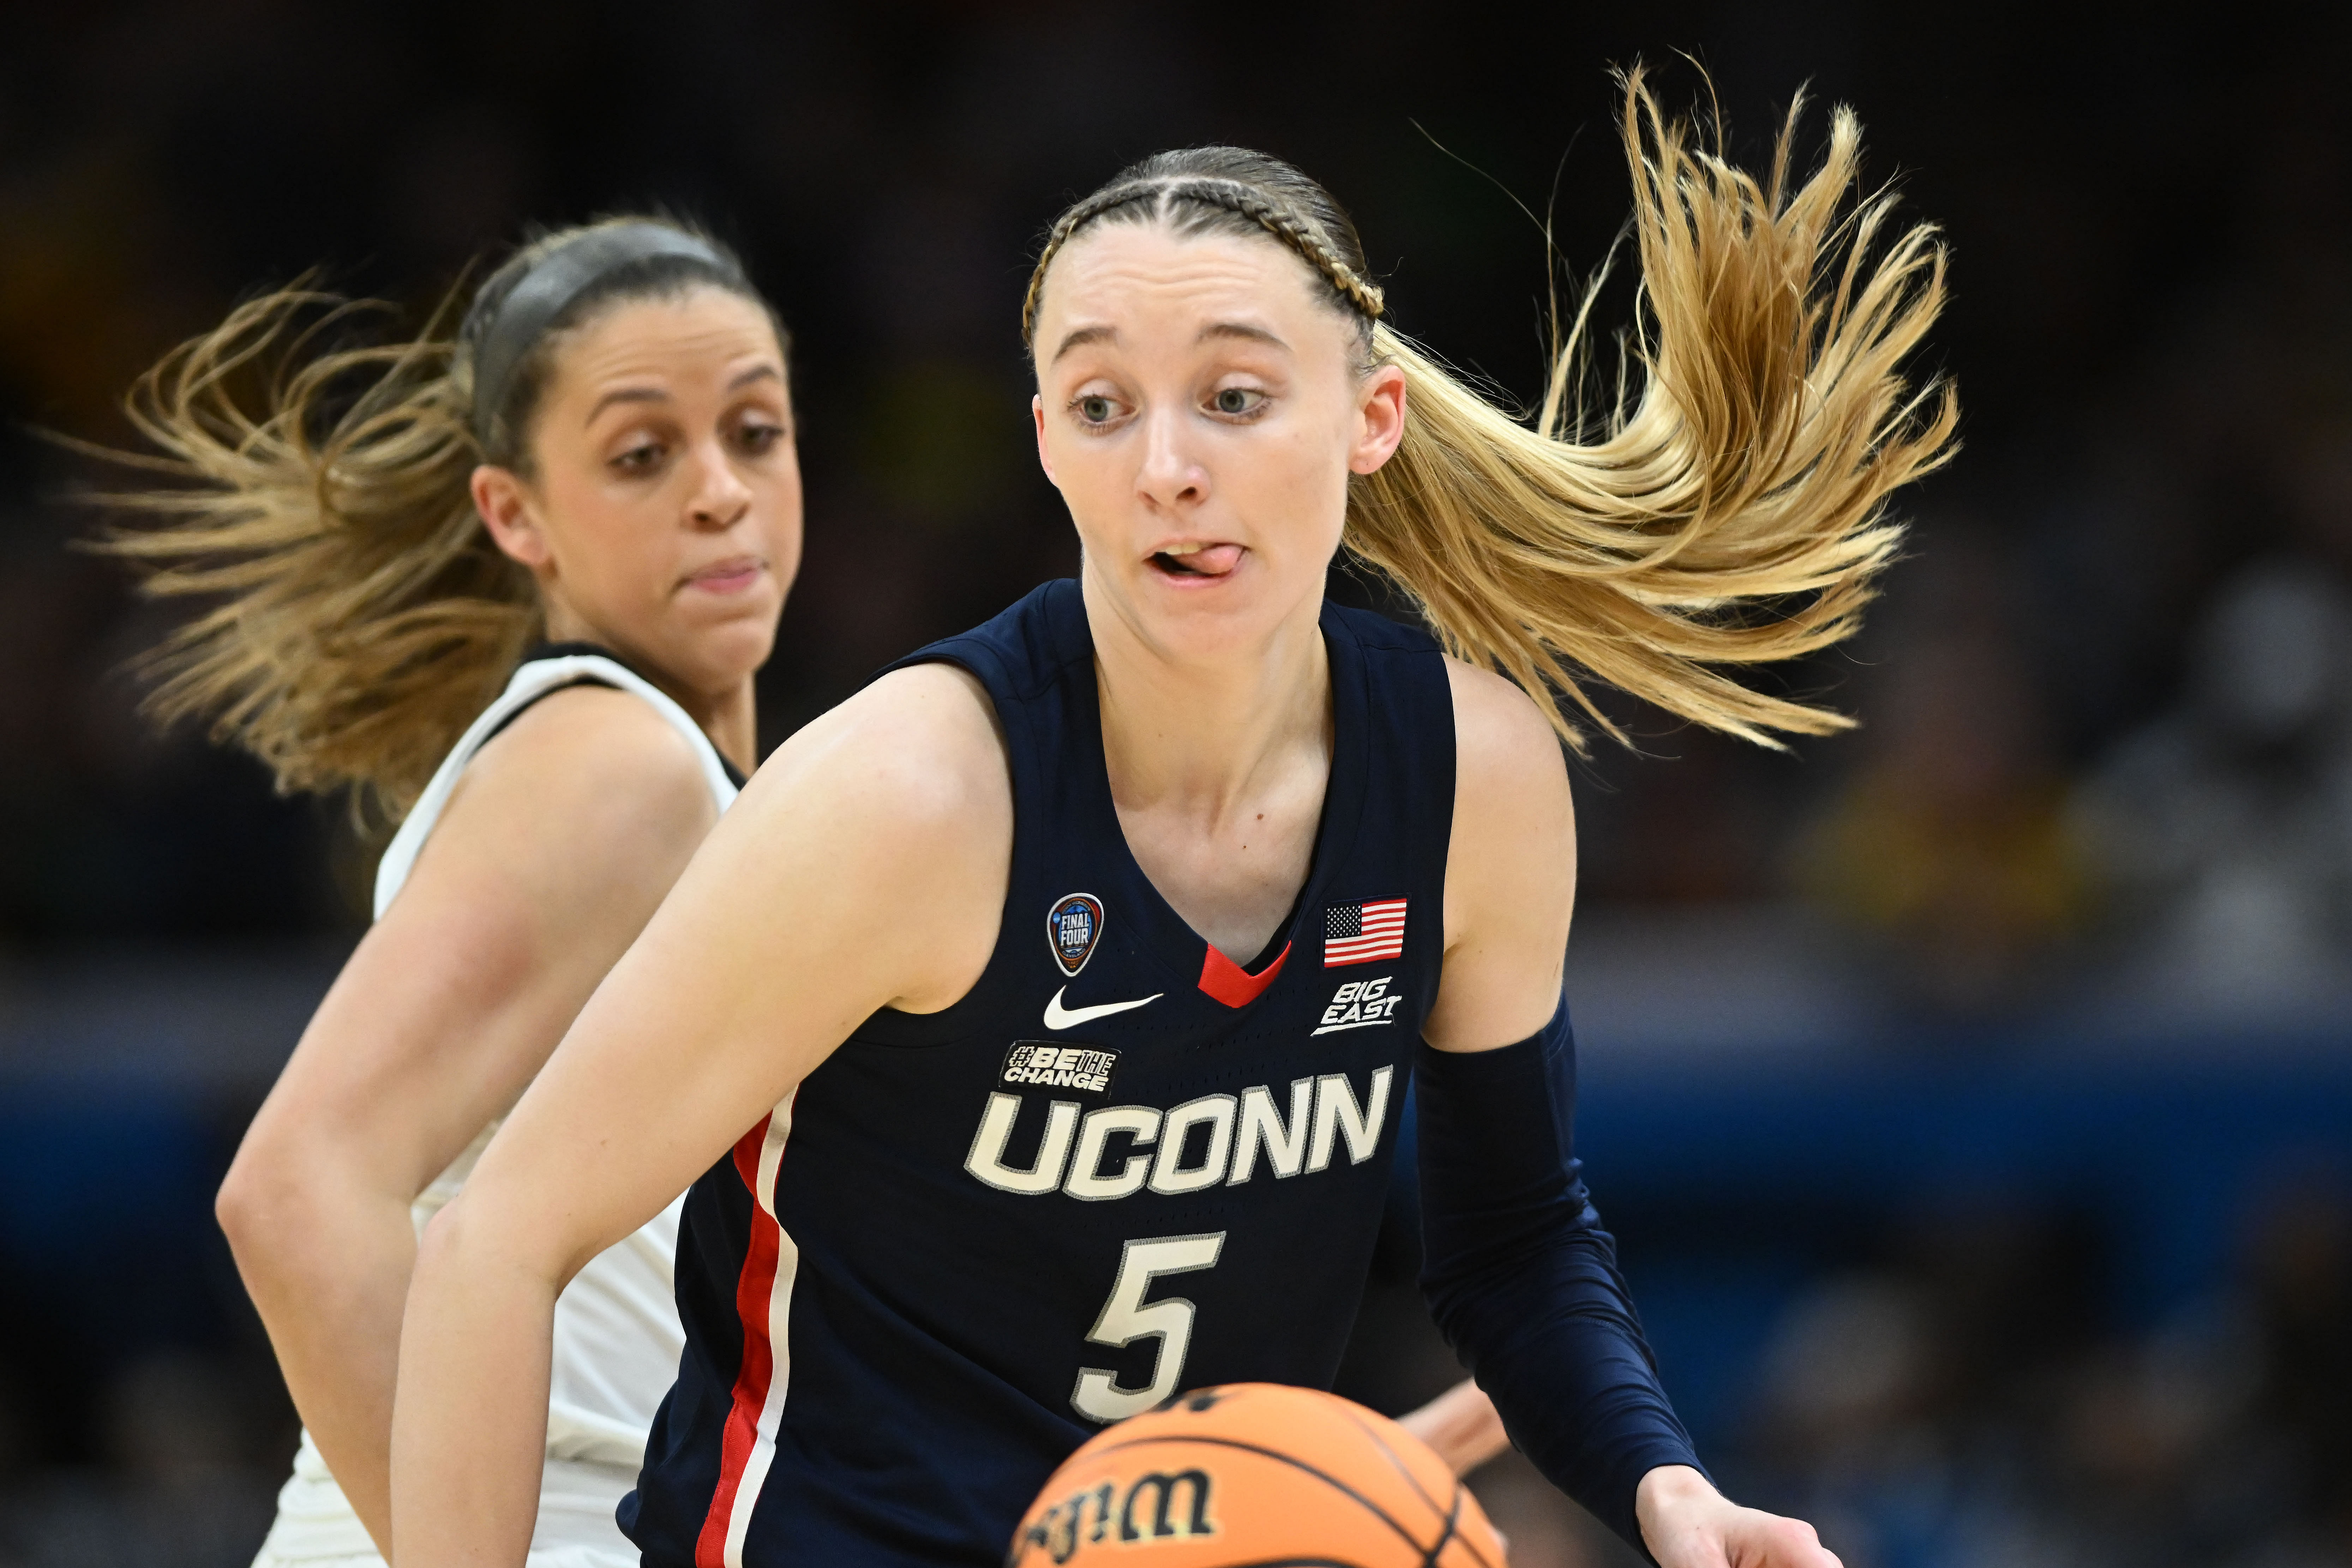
column 1252, row 1475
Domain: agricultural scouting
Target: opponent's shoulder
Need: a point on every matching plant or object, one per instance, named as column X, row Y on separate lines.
column 588, row 784
column 1504, row 747
column 593, row 741
column 918, row 751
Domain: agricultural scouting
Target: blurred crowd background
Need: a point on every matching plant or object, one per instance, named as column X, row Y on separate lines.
column 1971, row 1093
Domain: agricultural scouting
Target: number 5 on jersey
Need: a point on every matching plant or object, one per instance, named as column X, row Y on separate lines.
column 1127, row 1317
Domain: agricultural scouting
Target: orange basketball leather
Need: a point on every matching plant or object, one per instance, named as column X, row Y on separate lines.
column 1255, row 1474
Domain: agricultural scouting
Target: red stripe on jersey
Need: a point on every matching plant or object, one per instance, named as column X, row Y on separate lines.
column 1231, row 983
column 752, row 1295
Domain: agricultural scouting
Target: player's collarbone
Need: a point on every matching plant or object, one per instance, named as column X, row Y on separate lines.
column 1113, row 1152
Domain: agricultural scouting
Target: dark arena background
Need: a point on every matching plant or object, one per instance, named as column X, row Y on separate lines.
column 1972, row 1093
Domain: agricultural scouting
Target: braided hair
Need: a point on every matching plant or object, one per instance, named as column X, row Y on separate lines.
column 1731, row 512
column 1233, row 188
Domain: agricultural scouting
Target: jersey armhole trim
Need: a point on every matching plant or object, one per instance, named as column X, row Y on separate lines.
column 536, row 679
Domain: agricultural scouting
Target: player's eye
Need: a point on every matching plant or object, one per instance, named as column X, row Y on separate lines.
column 757, row 438
column 1095, row 410
column 1235, row 402
column 641, row 459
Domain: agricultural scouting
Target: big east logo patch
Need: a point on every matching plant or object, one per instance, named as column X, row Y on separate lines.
column 1360, row 1004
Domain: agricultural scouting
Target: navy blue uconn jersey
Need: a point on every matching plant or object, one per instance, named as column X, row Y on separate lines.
column 1123, row 1165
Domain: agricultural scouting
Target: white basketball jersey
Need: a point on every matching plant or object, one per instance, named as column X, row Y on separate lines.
column 616, row 1331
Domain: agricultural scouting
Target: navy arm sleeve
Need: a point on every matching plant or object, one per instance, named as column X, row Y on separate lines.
column 1524, row 1282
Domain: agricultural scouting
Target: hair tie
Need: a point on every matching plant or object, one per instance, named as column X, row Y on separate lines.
column 550, row 287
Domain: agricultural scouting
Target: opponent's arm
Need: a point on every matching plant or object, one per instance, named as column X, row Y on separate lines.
column 561, row 840
column 1461, row 1426
column 1522, row 1279
column 865, row 867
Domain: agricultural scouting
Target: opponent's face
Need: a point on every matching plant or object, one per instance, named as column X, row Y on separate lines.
column 663, row 516
column 1199, row 409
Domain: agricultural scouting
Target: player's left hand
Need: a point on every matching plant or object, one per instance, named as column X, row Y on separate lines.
column 1689, row 1524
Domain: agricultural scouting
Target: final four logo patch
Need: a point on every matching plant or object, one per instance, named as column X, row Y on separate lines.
column 1073, row 926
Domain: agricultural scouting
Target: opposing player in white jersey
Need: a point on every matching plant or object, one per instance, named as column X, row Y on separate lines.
column 601, row 464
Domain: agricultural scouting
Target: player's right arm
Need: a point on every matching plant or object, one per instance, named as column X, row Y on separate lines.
column 864, row 867
column 559, row 843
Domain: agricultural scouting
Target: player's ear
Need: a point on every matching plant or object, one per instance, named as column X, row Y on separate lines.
column 1379, row 418
column 504, row 502
column 1037, row 418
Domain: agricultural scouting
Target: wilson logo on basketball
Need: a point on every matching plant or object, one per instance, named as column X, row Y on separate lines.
column 1302, row 1479
column 1159, row 1505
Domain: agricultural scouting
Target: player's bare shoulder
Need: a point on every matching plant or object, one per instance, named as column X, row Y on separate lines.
column 918, row 751
column 902, row 795
column 1506, row 754
column 1514, row 839
column 563, row 833
column 588, row 764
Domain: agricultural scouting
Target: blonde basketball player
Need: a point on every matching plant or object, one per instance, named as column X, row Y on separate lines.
column 1033, row 1034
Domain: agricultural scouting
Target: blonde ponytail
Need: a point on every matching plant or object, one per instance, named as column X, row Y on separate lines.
column 361, row 616
column 1735, row 516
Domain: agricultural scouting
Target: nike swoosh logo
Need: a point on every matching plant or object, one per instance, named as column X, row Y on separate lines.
column 1060, row 1017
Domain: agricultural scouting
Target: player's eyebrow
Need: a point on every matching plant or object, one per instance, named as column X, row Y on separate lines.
column 625, row 395
column 656, row 395
column 1240, row 330
column 1084, row 336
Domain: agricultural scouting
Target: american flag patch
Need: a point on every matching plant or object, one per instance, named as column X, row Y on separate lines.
column 1362, row 934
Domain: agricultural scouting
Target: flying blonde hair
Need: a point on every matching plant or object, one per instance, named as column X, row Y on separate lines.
column 1733, row 516
column 359, row 616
